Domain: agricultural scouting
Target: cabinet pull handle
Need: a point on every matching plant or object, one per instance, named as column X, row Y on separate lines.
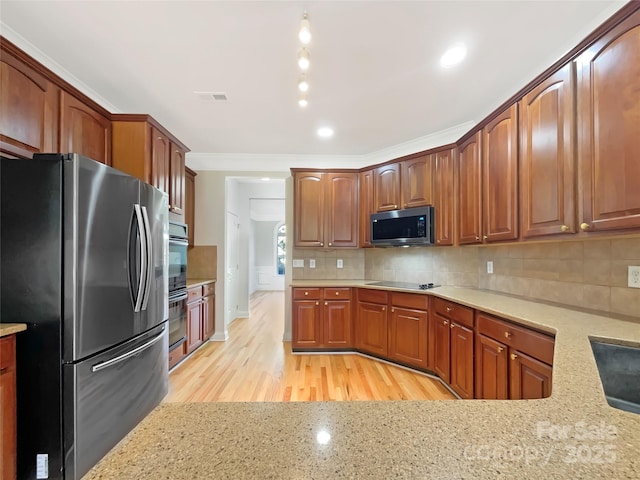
column 500, row 349
column 507, row 334
column 513, row 356
column 584, row 226
column 564, row 228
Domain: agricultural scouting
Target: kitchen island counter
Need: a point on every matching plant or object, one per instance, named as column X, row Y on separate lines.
column 572, row 434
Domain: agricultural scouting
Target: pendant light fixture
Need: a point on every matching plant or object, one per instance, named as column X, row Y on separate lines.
column 304, row 34
column 304, row 60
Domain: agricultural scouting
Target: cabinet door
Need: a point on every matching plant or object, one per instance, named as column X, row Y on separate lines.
column 547, row 157
column 337, row 324
column 408, row 336
column 29, row 106
column 462, row 360
column 371, row 333
column 440, row 346
column 208, row 316
column 365, row 207
column 491, row 369
column 443, row 196
column 190, row 203
column 160, row 160
column 609, row 119
column 417, row 182
column 469, row 208
column 341, row 210
column 500, row 177
column 306, row 326
column 176, row 195
column 83, row 130
column 528, row 378
column 194, row 325
column 387, row 187
column 308, row 209
column 8, row 409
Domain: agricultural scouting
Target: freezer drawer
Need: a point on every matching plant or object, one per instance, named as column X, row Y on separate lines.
column 109, row 394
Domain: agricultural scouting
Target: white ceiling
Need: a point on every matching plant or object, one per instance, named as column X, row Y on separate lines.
column 374, row 71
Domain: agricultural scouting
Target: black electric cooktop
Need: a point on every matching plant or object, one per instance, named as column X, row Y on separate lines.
column 407, row 285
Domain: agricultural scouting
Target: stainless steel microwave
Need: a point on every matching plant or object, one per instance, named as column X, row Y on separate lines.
column 413, row 226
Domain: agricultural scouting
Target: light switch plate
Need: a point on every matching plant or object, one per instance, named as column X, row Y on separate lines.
column 339, row 263
column 312, row 263
column 634, row 277
column 298, row 263
column 489, row 266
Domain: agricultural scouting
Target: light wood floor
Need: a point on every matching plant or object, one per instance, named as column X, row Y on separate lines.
column 255, row 365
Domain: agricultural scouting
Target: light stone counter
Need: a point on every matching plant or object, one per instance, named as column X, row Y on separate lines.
column 11, row 328
column 198, row 282
column 572, row 434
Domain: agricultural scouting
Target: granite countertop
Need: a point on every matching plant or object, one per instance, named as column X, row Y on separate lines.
column 11, row 328
column 571, row 434
column 197, row 282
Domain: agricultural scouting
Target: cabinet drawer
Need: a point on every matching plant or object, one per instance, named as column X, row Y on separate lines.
column 7, row 352
column 337, row 293
column 410, row 300
column 532, row 343
column 454, row 311
column 176, row 355
column 306, row 293
column 373, row 296
column 208, row 289
column 193, row 294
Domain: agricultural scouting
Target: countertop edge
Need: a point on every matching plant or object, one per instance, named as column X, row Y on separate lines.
column 7, row 329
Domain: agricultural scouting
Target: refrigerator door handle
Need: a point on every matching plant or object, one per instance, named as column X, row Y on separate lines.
column 143, row 258
column 149, row 270
column 121, row 358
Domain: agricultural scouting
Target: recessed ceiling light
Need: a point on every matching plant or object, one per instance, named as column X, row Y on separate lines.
column 453, row 55
column 325, row 132
column 304, row 33
column 303, row 102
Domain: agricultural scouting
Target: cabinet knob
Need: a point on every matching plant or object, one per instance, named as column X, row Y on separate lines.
column 500, row 349
column 513, row 356
column 326, row 303
column 485, row 237
column 438, row 241
column 337, row 293
column 477, row 237
column 384, row 308
column 451, row 325
column 321, row 244
column 507, row 334
column 395, row 206
column 564, row 228
column 393, row 310
column 317, row 303
column 449, row 309
column 306, row 293
column 584, row 226
column 329, row 243
column 445, row 322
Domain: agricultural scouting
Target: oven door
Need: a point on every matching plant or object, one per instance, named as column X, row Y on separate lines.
column 177, row 265
column 177, row 319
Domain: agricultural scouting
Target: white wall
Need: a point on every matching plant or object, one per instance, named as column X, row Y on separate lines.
column 263, row 272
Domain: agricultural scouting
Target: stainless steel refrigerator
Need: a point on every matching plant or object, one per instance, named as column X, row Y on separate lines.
column 83, row 252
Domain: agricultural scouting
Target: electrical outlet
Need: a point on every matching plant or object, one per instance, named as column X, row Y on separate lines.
column 489, row 266
column 634, row 277
column 298, row 263
column 339, row 263
column 312, row 263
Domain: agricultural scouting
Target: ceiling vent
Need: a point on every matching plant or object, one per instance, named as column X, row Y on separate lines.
column 212, row 96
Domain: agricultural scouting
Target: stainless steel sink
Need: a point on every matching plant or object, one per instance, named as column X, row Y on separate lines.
column 619, row 368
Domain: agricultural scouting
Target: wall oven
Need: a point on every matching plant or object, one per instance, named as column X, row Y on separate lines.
column 178, row 244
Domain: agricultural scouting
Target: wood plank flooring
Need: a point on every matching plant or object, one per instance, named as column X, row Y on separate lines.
column 255, row 365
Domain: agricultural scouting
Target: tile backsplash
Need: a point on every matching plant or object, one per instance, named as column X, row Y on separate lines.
column 588, row 273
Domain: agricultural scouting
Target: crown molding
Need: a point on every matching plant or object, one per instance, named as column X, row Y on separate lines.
column 38, row 55
column 249, row 162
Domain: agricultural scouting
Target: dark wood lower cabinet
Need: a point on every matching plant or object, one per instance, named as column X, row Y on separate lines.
column 337, row 324
column 441, row 347
column 492, row 381
column 408, row 336
column 322, row 318
column 306, row 324
column 208, row 315
column 461, row 374
column 8, row 407
column 194, row 325
column 529, row 378
column 371, row 328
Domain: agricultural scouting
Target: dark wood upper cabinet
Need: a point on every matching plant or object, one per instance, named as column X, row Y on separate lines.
column 547, row 157
column 177, row 180
column 416, row 180
column 609, row 129
column 470, row 190
column 443, row 196
column 190, row 203
column 342, row 210
column 160, row 160
column 366, row 208
column 386, row 191
column 83, row 130
column 29, row 106
column 308, row 207
column 500, row 176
